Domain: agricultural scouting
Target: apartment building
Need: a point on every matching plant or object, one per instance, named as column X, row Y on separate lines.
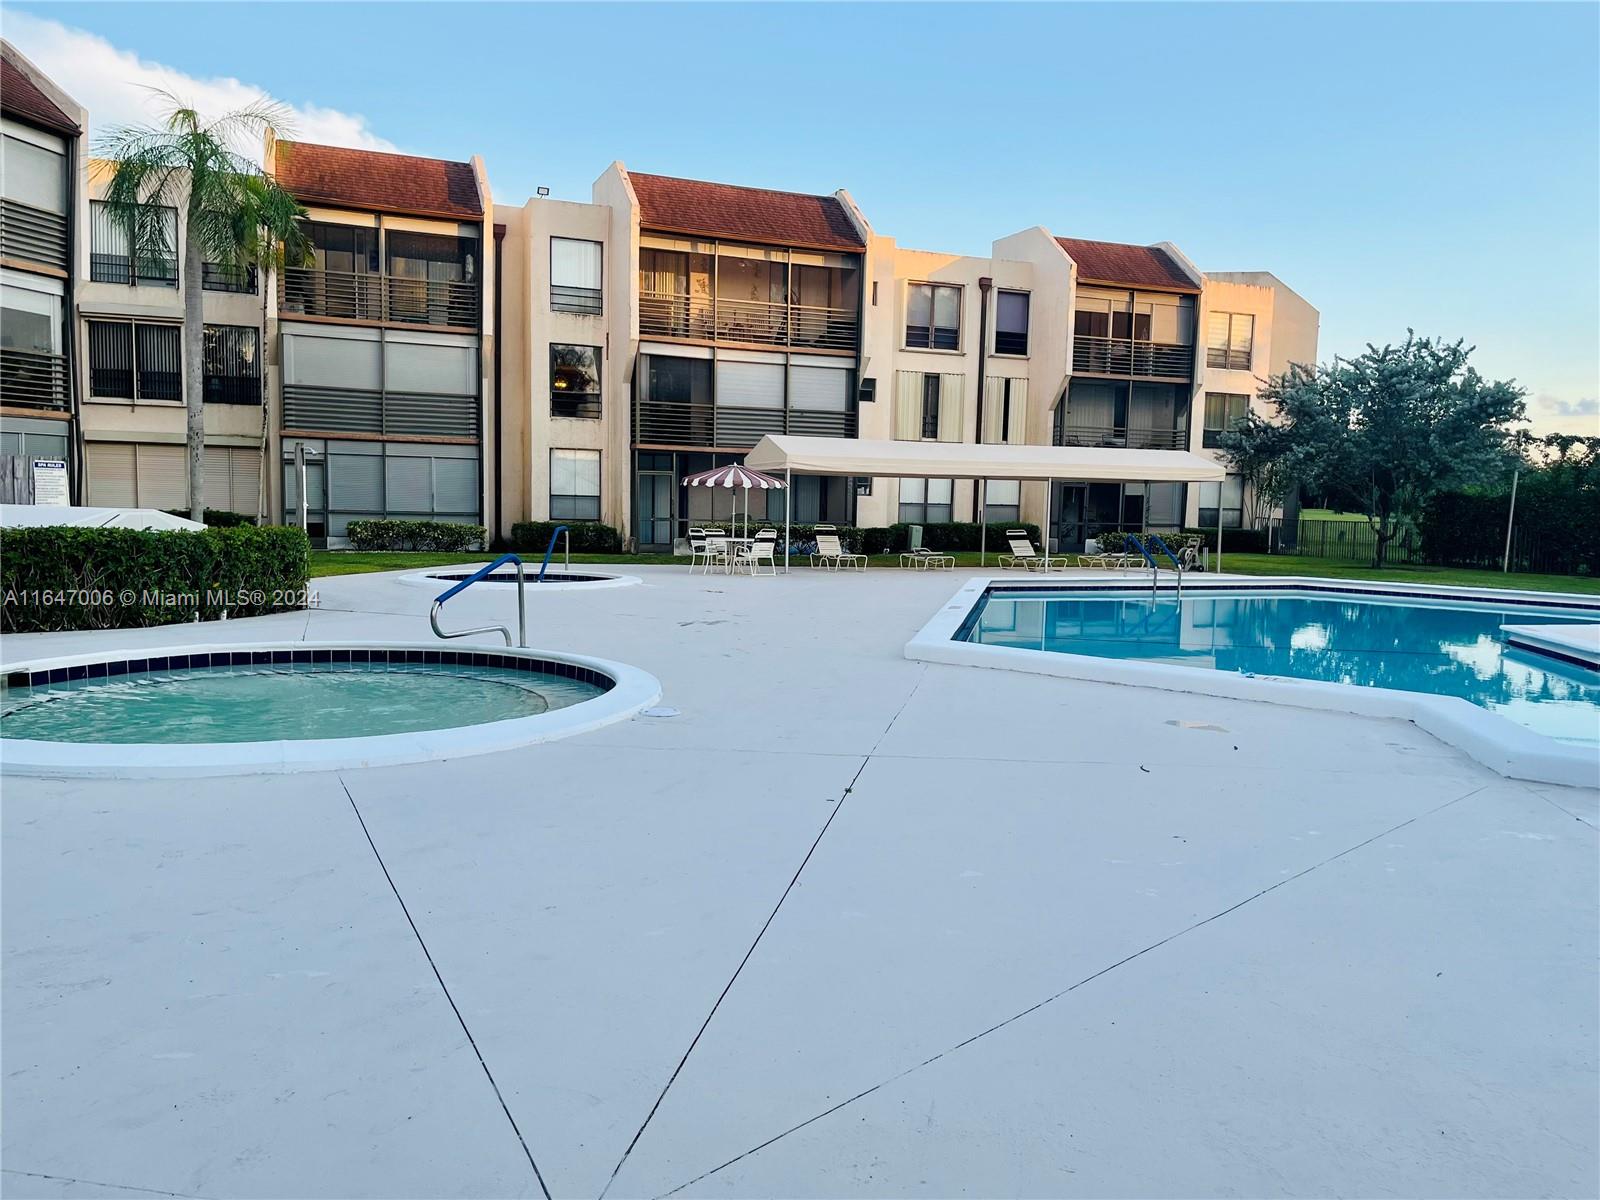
column 134, row 416
column 384, row 343
column 449, row 359
column 41, row 165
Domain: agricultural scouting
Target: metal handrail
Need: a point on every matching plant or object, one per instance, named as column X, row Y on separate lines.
column 1155, row 571
column 522, row 603
column 1176, row 564
column 551, row 549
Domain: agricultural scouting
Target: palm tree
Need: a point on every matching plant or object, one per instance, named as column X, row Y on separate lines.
column 237, row 216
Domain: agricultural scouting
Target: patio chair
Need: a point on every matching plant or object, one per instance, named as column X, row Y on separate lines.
column 716, row 553
column 697, row 547
column 1022, row 552
column 831, row 554
column 757, row 552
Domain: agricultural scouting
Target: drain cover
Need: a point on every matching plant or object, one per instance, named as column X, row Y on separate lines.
column 658, row 712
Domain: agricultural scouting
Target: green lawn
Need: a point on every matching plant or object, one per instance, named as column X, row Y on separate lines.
column 1328, row 514
column 350, row 562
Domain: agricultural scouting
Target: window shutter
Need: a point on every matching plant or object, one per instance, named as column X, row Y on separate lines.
column 908, row 406
column 218, row 471
column 111, row 475
column 1017, row 431
column 819, row 389
column 951, row 408
column 749, row 385
column 162, row 476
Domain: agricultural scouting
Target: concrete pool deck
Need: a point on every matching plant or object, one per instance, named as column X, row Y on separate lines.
column 845, row 925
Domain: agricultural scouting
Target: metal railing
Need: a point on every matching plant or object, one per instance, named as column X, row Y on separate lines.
column 1122, row 435
column 559, row 531
column 33, row 379
column 522, row 602
column 220, row 277
column 1222, row 358
column 32, row 234
column 308, row 291
column 564, row 298
column 767, row 323
column 667, row 423
column 1124, row 356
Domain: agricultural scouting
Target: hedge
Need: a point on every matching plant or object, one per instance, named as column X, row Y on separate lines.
column 955, row 535
column 216, row 518
column 62, row 577
column 587, row 537
column 444, row 536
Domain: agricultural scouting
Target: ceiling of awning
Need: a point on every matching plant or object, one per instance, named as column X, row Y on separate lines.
column 961, row 460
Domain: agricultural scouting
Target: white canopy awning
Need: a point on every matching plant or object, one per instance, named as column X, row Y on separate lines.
column 961, row 460
column 23, row 516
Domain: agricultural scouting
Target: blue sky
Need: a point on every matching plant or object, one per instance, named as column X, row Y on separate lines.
column 1431, row 165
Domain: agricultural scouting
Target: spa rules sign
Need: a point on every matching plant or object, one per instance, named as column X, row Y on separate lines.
column 50, row 481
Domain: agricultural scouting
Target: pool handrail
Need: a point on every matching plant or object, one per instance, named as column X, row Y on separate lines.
column 1177, row 564
column 551, row 549
column 481, row 572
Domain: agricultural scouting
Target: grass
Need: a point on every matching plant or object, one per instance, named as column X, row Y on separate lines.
column 1328, row 514
column 351, row 562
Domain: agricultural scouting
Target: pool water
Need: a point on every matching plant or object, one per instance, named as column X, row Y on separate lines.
column 1438, row 647
column 285, row 702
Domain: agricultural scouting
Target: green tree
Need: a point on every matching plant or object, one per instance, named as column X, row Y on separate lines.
column 235, row 215
column 1381, row 433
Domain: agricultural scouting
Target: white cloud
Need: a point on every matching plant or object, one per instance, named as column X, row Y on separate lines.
column 115, row 86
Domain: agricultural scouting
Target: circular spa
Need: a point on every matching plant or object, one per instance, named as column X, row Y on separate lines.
column 214, row 710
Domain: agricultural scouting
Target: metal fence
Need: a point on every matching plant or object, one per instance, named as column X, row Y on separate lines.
column 1352, row 540
column 1355, row 541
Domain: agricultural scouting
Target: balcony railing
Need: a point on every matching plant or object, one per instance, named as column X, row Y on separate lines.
column 351, row 410
column 159, row 270
column 1226, row 359
column 29, row 379
column 32, row 234
column 575, row 299
column 1121, row 356
column 231, row 389
column 1121, row 435
column 310, row 292
column 220, row 277
column 708, row 318
column 666, row 423
column 586, row 407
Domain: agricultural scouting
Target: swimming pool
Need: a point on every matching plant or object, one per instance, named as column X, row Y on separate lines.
column 207, row 710
column 1439, row 647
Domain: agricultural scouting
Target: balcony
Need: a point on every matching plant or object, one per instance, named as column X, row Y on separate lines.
column 31, row 234
column 231, row 389
column 1123, row 437
column 30, row 379
column 668, row 423
column 707, row 318
column 1122, row 356
column 306, row 291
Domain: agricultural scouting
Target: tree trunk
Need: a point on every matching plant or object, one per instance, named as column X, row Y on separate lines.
column 194, row 332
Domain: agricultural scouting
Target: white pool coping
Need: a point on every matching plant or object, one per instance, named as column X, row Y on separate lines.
column 632, row 690
column 430, row 578
column 1499, row 744
column 1578, row 644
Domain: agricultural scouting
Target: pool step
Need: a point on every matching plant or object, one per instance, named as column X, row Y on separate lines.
column 1579, row 644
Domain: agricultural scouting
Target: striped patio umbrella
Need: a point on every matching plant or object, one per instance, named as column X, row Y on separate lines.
column 735, row 476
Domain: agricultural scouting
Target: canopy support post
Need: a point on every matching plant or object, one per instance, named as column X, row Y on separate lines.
column 1044, row 530
column 788, row 508
column 983, row 525
column 1219, row 529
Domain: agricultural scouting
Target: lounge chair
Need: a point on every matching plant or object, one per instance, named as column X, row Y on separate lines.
column 1022, row 552
column 831, row 554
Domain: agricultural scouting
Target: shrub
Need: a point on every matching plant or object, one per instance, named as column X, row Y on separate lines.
column 216, row 518
column 587, row 537
column 61, row 577
column 442, row 536
column 956, row 535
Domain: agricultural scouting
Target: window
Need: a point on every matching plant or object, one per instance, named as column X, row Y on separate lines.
column 220, row 277
column 574, row 485
column 1002, row 500
column 130, row 360
column 232, row 365
column 34, row 175
column 30, row 314
column 930, row 407
column 575, row 285
column 1223, row 412
column 1229, row 337
column 933, row 317
column 575, row 381
column 1011, row 323
column 925, row 501
column 1231, row 494
column 153, row 256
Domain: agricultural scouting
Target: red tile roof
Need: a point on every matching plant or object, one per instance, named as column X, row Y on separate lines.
column 367, row 179
column 1117, row 262
column 754, row 214
column 22, row 99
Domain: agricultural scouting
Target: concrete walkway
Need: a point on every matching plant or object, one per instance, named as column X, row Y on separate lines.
column 846, row 925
